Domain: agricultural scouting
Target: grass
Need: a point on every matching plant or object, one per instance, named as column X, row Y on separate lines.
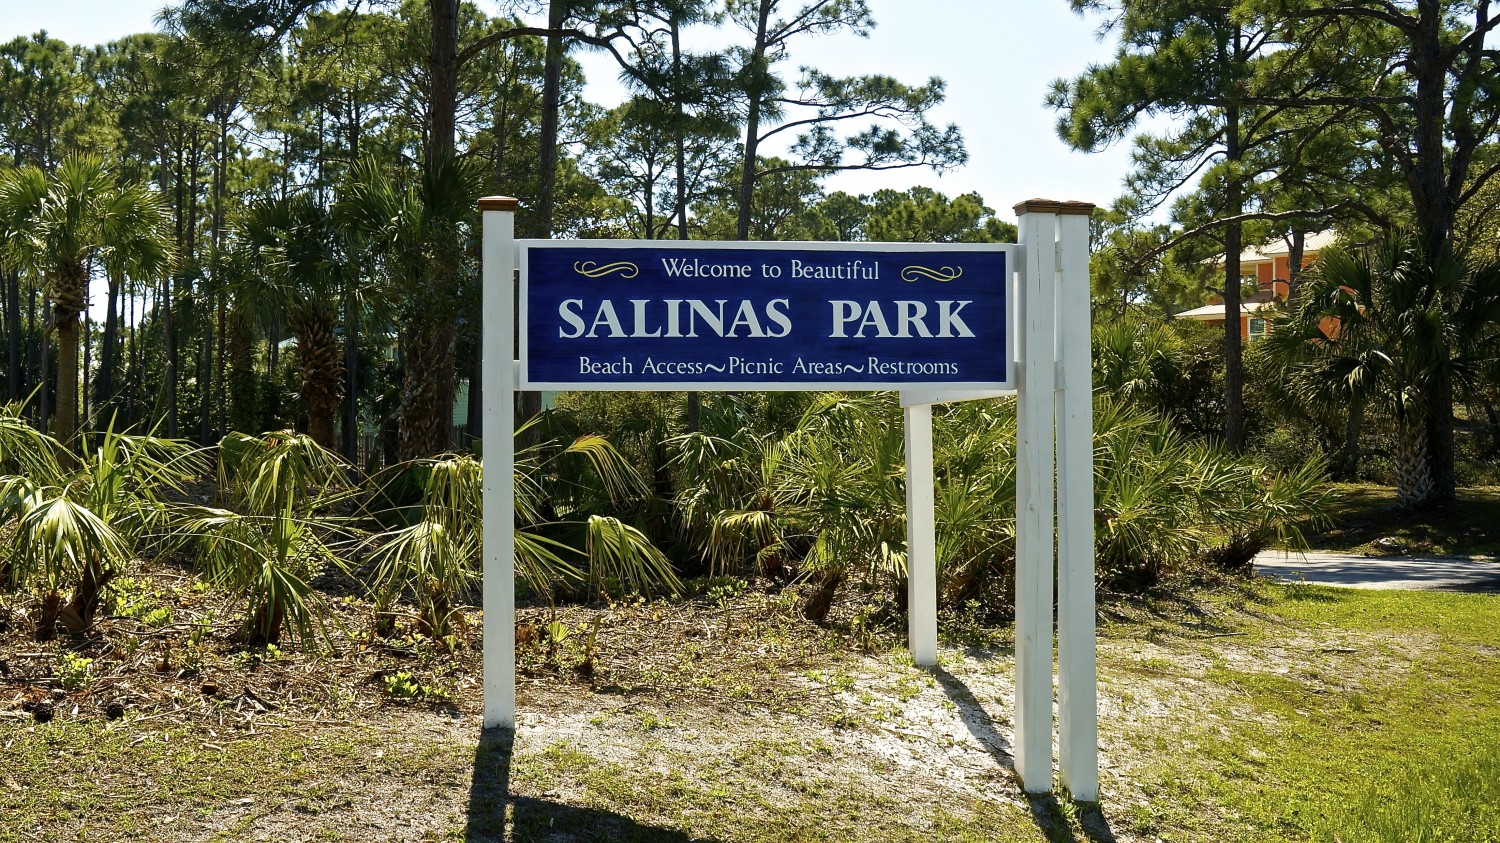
column 1364, row 515
column 1348, row 716
column 1250, row 713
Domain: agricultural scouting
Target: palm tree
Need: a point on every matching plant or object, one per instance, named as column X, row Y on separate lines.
column 415, row 234
column 59, row 226
column 301, row 277
column 1390, row 324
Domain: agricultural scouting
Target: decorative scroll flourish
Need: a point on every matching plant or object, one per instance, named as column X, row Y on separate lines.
column 591, row 269
column 942, row 274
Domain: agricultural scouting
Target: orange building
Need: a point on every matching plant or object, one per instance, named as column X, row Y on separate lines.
column 1269, row 267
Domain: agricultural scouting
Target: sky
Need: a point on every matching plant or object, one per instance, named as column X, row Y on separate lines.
column 997, row 56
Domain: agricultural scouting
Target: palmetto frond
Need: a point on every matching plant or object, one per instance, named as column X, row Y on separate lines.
column 24, row 450
column 268, row 562
column 618, row 552
column 58, row 539
column 268, row 549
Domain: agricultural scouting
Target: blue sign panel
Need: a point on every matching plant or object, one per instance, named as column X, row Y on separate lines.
column 643, row 315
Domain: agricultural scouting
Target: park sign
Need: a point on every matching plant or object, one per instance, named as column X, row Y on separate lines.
column 612, row 314
column 938, row 322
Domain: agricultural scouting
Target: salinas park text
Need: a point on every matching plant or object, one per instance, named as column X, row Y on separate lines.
column 839, row 315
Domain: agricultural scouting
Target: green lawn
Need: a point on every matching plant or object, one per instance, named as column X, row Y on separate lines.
column 1251, row 713
column 1364, row 515
column 1341, row 715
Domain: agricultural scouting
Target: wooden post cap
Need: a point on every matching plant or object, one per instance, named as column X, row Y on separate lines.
column 498, row 203
column 1052, row 206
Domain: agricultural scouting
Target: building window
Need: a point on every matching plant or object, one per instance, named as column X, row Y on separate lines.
column 1257, row 328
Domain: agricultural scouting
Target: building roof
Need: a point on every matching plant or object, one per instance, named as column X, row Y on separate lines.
column 1314, row 242
column 1257, row 305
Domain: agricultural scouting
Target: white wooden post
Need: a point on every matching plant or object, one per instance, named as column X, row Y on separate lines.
column 1077, row 694
column 1034, row 489
column 921, row 538
column 498, row 304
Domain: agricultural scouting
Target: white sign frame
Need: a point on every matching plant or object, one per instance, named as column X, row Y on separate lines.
column 1052, row 380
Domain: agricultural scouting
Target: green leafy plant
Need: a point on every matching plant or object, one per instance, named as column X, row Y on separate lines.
column 267, row 549
column 78, row 520
column 403, row 685
column 436, row 556
column 58, row 543
column 73, row 670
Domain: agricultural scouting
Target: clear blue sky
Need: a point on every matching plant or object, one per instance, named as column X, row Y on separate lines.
column 997, row 57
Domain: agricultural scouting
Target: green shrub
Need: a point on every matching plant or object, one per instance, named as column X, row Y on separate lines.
column 278, row 537
column 827, row 503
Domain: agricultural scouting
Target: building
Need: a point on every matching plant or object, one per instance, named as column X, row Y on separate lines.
column 1269, row 268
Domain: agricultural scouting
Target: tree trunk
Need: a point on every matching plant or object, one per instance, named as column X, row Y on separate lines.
column 240, row 356
column 752, row 122
column 104, row 390
column 1426, row 176
column 70, row 297
column 1349, row 462
column 272, row 408
column 1435, row 202
column 442, row 68
column 165, row 302
column 1440, row 445
column 221, row 371
column 47, row 614
column 551, row 108
column 531, row 407
column 475, row 419
column 85, row 331
column 221, row 187
column 265, row 623
column 67, row 377
column 680, row 129
column 206, row 378
column 1234, row 371
column 320, row 428
column 529, row 403
column 132, row 353
column 15, row 377
column 351, row 374
column 820, row 599
column 169, row 371
column 1409, row 464
column 320, row 358
column 427, row 381
column 1294, row 264
column 78, row 615
column 1234, row 386
column 426, row 392
column 44, row 366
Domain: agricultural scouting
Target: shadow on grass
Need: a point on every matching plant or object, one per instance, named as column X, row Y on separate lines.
column 1301, row 591
column 539, row 820
column 1193, row 605
column 1050, row 813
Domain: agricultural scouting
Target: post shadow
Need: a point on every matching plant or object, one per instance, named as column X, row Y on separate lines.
column 1046, row 810
column 533, row 820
